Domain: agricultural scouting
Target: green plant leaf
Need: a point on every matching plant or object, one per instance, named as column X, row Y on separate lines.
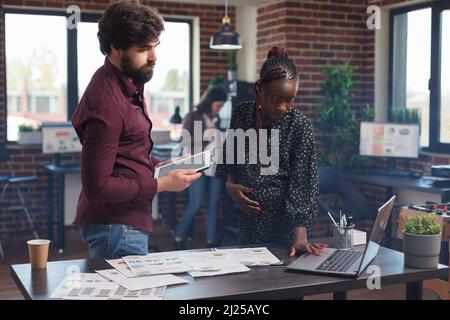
column 337, row 122
column 422, row 224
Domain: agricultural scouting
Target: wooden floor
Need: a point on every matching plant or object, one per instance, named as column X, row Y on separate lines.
column 16, row 252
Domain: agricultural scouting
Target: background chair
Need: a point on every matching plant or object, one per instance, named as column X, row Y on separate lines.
column 336, row 193
column 15, row 183
column 350, row 200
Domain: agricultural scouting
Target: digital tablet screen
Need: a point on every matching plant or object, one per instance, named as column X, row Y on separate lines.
column 196, row 162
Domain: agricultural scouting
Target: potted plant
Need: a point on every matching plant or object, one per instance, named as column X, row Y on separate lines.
column 337, row 123
column 29, row 135
column 421, row 241
column 405, row 115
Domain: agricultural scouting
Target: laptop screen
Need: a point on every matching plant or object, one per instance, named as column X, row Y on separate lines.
column 376, row 236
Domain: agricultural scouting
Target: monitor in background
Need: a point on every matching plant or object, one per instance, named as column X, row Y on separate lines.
column 59, row 137
column 390, row 140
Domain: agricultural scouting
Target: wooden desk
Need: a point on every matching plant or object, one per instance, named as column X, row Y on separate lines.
column 272, row 282
column 393, row 183
column 420, row 192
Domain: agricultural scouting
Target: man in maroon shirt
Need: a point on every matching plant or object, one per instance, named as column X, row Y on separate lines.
column 114, row 206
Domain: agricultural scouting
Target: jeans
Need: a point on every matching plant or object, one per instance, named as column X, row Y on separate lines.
column 114, row 240
column 210, row 186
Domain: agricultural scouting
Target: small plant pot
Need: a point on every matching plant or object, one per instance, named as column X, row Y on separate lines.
column 34, row 137
column 421, row 251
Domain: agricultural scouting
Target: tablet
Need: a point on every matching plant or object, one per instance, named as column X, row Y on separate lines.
column 198, row 162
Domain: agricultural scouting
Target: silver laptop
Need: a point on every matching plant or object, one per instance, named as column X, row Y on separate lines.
column 347, row 263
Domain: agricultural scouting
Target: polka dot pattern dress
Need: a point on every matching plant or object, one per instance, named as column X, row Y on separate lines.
column 288, row 198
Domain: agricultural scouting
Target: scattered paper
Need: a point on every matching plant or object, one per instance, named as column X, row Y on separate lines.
column 260, row 256
column 156, row 263
column 237, row 268
column 122, row 267
column 78, row 280
column 141, row 283
column 92, row 286
column 211, row 263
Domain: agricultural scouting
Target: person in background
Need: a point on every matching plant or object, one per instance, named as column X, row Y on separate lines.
column 112, row 123
column 206, row 114
column 276, row 208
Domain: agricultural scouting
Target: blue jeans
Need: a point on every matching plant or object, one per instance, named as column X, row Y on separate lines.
column 114, row 240
column 210, row 186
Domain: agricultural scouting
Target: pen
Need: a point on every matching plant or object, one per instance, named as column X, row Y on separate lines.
column 334, row 222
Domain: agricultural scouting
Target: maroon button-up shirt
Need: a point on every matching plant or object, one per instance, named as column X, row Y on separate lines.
column 116, row 167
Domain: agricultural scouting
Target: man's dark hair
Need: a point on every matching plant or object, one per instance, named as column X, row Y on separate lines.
column 125, row 23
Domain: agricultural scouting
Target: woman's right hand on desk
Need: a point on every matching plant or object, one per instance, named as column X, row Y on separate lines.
column 236, row 192
column 177, row 180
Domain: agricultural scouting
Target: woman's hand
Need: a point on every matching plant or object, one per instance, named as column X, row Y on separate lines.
column 236, row 191
column 301, row 244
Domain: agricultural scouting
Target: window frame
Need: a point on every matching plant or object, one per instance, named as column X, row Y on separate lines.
column 434, row 84
column 72, row 58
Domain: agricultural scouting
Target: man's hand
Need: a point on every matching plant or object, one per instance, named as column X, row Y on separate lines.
column 177, row 180
column 171, row 160
column 236, row 191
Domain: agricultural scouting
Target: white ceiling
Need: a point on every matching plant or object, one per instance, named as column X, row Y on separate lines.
column 251, row 3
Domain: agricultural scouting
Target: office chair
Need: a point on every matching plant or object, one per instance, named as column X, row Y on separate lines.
column 353, row 203
column 15, row 183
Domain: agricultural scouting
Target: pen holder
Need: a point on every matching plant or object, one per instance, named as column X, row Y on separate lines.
column 343, row 237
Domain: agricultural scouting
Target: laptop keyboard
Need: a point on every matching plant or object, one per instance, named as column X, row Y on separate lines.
column 340, row 261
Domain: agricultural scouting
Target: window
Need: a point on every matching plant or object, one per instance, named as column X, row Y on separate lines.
column 445, row 78
column 36, row 70
column 89, row 57
column 170, row 86
column 42, row 104
column 419, row 69
column 46, row 81
column 411, row 64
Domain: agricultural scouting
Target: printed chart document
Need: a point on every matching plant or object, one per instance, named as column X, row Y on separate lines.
column 211, row 263
column 122, row 267
column 141, row 283
column 156, row 263
column 260, row 256
column 92, row 286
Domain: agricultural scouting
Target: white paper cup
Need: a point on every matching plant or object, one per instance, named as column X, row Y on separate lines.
column 38, row 252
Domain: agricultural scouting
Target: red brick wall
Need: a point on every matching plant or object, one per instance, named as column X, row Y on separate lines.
column 29, row 160
column 316, row 34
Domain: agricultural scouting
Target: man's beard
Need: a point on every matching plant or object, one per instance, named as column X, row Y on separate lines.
column 140, row 75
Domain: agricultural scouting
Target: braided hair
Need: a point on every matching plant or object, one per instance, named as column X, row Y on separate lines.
column 277, row 66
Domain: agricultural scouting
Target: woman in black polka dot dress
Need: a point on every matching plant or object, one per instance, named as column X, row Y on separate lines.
column 277, row 207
